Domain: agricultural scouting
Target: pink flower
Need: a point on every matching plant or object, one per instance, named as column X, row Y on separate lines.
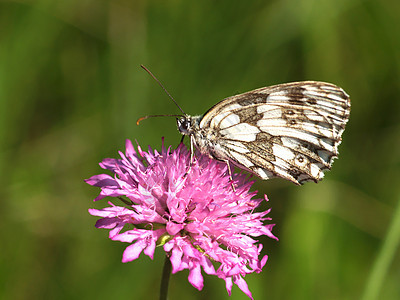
column 196, row 216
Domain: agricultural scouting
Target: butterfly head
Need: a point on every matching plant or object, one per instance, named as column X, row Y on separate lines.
column 187, row 124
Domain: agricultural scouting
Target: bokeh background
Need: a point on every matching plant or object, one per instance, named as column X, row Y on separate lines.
column 71, row 90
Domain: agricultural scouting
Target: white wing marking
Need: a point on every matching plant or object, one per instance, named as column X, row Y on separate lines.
column 237, row 146
column 215, row 122
column 241, row 132
column 243, row 159
column 229, row 121
column 280, row 151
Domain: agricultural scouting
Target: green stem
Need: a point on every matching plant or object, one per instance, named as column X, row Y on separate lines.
column 165, row 278
column 384, row 259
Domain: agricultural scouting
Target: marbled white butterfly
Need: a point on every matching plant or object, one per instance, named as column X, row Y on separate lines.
column 287, row 130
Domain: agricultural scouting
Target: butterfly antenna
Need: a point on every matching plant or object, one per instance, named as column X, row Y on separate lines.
column 165, row 90
column 152, row 116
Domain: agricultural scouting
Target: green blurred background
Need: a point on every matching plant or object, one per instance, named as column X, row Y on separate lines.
column 71, row 90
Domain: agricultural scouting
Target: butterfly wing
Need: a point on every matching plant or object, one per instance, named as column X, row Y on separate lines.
column 288, row 130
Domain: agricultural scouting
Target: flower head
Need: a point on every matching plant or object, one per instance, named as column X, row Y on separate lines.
column 192, row 211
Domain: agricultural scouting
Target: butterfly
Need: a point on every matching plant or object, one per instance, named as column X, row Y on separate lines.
column 289, row 130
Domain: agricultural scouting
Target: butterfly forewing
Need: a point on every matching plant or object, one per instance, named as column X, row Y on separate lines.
column 289, row 130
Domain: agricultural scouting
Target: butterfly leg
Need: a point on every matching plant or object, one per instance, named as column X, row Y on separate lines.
column 191, row 156
column 183, row 137
column 191, row 150
column 230, row 174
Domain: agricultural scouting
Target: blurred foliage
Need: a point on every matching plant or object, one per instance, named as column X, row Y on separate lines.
column 71, row 90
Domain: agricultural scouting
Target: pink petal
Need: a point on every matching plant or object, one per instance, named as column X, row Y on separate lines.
column 176, row 259
column 228, row 285
column 195, row 277
column 173, row 228
column 241, row 283
column 101, row 180
column 207, row 266
column 107, row 223
column 263, row 261
column 149, row 251
column 130, row 150
column 133, row 251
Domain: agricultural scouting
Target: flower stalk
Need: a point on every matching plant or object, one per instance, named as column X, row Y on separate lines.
column 166, row 274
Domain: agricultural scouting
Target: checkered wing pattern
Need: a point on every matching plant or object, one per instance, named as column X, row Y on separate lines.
column 288, row 130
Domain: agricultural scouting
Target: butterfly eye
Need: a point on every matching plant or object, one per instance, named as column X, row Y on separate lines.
column 183, row 125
